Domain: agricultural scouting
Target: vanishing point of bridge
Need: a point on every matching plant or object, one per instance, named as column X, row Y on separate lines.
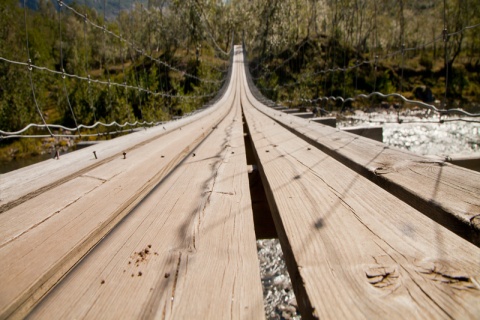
column 162, row 223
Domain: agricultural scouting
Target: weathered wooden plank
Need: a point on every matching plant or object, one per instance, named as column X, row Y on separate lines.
column 446, row 193
column 188, row 251
column 354, row 250
column 44, row 250
column 21, row 219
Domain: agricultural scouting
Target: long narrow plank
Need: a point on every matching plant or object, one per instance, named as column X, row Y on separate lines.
column 22, row 218
column 446, row 193
column 355, row 251
column 18, row 221
column 187, row 252
column 42, row 250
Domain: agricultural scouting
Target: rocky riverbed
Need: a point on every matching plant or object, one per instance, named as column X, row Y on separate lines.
column 280, row 301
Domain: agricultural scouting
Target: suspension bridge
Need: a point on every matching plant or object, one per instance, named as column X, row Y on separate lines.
column 159, row 223
column 162, row 222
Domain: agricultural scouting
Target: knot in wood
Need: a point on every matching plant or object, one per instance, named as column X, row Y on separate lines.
column 475, row 221
column 382, row 276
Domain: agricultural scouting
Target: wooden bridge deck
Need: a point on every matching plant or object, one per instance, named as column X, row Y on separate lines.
column 168, row 232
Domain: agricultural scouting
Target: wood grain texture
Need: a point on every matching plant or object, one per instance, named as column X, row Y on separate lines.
column 40, row 244
column 355, row 251
column 168, row 232
column 444, row 192
column 186, row 252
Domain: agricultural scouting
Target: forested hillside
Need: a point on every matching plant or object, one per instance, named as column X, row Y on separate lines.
column 309, row 49
column 167, row 50
column 169, row 69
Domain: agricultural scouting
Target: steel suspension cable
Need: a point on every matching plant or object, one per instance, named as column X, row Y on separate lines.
column 63, row 67
column 30, row 69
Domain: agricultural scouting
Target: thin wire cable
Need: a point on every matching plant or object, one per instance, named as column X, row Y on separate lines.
column 207, row 28
column 18, row 134
column 63, row 68
column 259, row 95
column 81, row 126
column 445, row 48
column 87, row 78
column 58, row 73
column 333, row 37
column 294, row 54
column 183, row 46
column 404, row 99
column 402, row 50
column 89, row 86
column 135, row 48
column 356, row 65
column 30, row 68
column 403, row 121
column 399, row 96
column 97, row 124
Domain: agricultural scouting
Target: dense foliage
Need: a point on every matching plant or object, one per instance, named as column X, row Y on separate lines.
column 61, row 40
column 290, row 43
column 112, row 7
column 295, row 41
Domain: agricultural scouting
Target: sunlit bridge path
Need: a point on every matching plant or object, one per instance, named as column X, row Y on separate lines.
column 160, row 223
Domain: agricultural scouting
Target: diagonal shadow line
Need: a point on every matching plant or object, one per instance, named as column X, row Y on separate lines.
column 440, row 241
column 308, row 168
column 431, row 209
